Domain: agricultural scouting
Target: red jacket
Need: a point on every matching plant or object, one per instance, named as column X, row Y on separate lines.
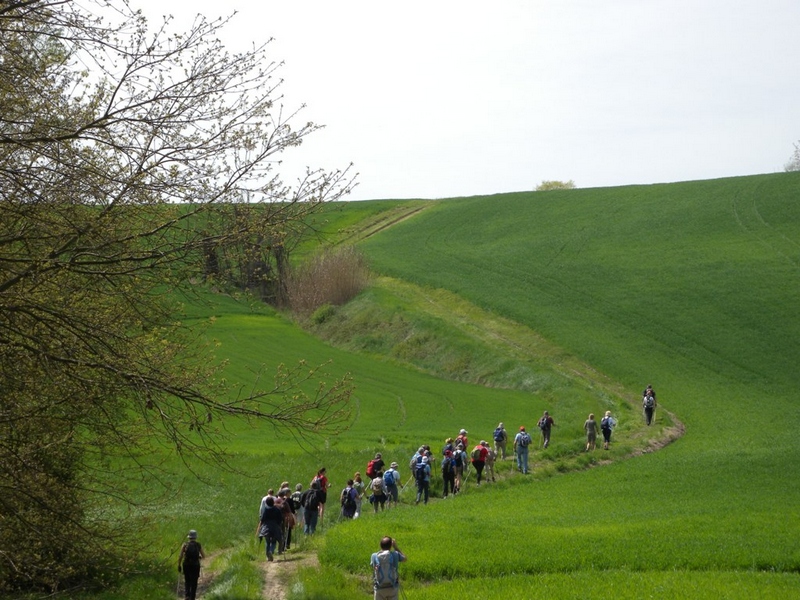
column 484, row 453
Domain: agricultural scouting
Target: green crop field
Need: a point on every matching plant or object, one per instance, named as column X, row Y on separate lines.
column 496, row 308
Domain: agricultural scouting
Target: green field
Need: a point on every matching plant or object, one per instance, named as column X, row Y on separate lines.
column 568, row 301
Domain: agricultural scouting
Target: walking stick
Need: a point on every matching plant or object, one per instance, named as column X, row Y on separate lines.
column 407, row 482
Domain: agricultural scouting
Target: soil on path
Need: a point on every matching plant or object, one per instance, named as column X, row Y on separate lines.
column 279, row 573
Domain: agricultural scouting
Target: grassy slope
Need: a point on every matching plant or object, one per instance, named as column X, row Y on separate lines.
column 692, row 287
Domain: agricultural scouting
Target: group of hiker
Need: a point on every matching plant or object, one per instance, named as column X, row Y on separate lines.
column 282, row 512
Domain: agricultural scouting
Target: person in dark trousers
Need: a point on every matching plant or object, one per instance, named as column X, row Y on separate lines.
column 607, row 425
column 271, row 527
column 189, row 564
column 546, row 424
column 478, row 457
column 310, row 503
column 649, row 404
column 448, row 474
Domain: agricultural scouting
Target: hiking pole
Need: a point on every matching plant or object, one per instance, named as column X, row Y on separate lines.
column 407, row 482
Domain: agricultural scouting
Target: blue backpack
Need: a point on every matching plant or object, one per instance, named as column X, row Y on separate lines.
column 388, row 477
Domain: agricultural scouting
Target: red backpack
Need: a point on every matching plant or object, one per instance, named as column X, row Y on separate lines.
column 371, row 473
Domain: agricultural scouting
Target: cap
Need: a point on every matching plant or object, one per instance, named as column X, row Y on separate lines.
column 192, row 534
column 463, row 431
column 483, row 443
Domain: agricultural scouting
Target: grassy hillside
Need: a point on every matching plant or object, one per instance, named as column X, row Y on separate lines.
column 573, row 301
column 692, row 287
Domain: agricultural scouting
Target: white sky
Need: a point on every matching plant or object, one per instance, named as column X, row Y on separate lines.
column 455, row 98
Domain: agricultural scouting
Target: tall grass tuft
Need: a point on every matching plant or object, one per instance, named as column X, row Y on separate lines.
column 332, row 277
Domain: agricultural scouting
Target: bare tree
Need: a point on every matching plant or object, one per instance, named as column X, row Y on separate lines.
column 123, row 151
column 794, row 161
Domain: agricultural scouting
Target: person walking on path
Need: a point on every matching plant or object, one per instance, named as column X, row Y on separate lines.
column 348, row 500
column 521, row 443
column 310, row 502
column 546, row 424
column 322, row 478
column 378, row 488
column 649, row 404
column 385, row 570
column 448, row 474
column 590, row 427
column 491, row 457
column 189, row 563
column 462, row 439
column 478, row 457
column 607, row 424
column 500, row 437
column 392, row 480
column 459, row 460
column 271, row 526
column 297, row 506
column 360, row 487
column 423, row 477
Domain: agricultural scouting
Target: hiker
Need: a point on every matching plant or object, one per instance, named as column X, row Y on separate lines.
column 375, row 465
column 297, row 506
column 462, row 439
column 491, row 457
column 649, row 404
column 310, row 502
column 348, row 500
column 189, row 563
column 378, row 488
column 270, row 494
column 459, row 460
column 590, row 426
column 546, row 423
column 391, row 479
column 448, row 474
column 500, row 437
column 649, row 391
column 322, row 478
column 607, row 424
column 385, row 570
column 416, row 460
column 521, row 443
column 360, row 487
column 423, row 478
column 449, row 446
column 289, row 520
column 271, row 526
column 478, row 457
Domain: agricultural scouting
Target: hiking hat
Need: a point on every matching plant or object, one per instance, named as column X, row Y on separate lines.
column 483, row 443
column 463, row 431
column 394, row 465
column 192, row 534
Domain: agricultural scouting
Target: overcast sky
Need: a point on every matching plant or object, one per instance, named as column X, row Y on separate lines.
column 449, row 98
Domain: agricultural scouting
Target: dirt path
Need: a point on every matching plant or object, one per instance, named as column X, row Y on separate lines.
column 279, row 573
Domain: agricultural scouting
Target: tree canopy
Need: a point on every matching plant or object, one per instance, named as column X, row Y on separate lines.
column 126, row 153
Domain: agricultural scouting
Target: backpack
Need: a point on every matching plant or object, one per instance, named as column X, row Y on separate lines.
column 378, row 486
column 458, row 459
column 191, row 555
column 420, row 473
column 605, row 423
column 649, row 402
column 312, row 500
column 476, row 453
column 524, row 439
column 371, row 469
column 499, row 435
column 385, row 570
column 447, row 465
column 347, row 498
column 388, row 477
column 543, row 423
